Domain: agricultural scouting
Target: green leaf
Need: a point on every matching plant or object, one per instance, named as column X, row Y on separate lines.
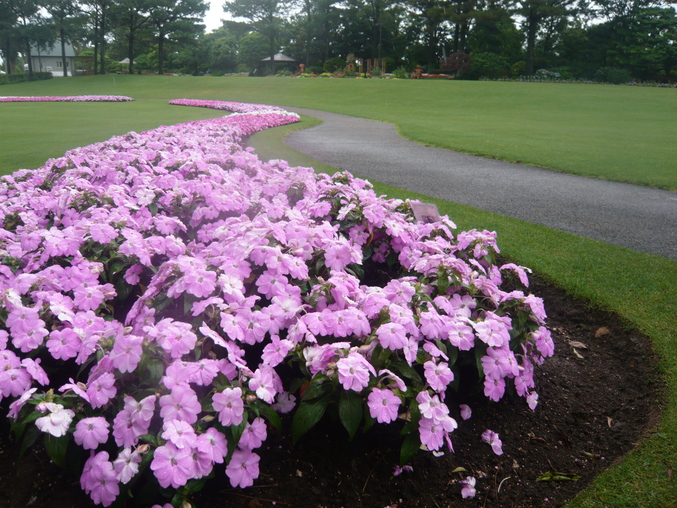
column 318, row 387
column 410, row 446
column 271, row 415
column 308, row 414
column 29, row 439
column 552, row 476
column 56, row 449
column 350, row 411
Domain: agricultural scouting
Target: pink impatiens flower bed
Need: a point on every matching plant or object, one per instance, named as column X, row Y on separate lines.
column 235, row 107
column 69, row 98
column 166, row 296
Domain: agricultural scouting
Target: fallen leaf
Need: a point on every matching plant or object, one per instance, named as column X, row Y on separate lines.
column 601, row 332
column 460, row 470
column 608, row 421
column 579, row 345
column 578, row 355
column 552, row 476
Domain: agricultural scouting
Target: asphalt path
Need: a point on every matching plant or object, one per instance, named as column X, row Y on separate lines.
column 631, row 216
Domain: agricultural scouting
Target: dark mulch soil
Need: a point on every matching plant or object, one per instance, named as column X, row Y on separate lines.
column 597, row 401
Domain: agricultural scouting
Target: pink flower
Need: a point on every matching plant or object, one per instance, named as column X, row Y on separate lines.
column 431, row 407
column 91, row 432
column 243, row 468
column 101, row 390
column 127, row 465
column 263, row 383
column 180, row 404
column 213, row 444
column 354, row 372
column 126, row 353
column 173, row 466
column 15, row 407
column 434, row 432
column 468, row 490
column 383, row 405
column 254, row 434
column 180, row 433
column 99, row 479
column 14, row 382
column 466, row 412
column 392, row 336
column 230, row 406
column 491, row 438
column 494, row 388
column 438, row 375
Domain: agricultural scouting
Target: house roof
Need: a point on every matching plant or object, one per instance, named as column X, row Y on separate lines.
column 279, row 58
column 55, row 50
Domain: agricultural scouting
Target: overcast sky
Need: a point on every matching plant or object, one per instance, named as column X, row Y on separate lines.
column 214, row 14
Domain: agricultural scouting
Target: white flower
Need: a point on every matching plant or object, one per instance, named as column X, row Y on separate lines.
column 57, row 421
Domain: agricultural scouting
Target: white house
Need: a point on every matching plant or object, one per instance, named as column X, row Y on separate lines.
column 49, row 60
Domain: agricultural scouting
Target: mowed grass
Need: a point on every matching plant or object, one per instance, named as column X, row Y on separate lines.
column 600, row 131
column 31, row 133
column 641, row 288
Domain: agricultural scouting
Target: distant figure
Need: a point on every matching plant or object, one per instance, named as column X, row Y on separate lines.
column 417, row 72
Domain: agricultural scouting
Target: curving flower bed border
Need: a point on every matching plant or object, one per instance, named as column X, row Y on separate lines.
column 69, row 98
column 235, row 107
column 166, row 296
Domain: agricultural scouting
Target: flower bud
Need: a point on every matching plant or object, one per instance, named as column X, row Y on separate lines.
column 144, row 448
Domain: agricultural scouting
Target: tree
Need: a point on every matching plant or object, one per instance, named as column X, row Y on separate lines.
column 536, row 14
column 265, row 16
column 133, row 16
column 494, row 31
column 7, row 35
column 649, row 40
column 27, row 28
column 98, row 12
column 429, row 15
column 62, row 13
column 174, row 17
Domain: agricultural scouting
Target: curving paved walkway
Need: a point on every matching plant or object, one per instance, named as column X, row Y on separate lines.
column 622, row 214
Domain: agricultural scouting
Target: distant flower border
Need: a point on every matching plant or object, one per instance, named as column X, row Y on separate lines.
column 235, row 107
column 69, row 98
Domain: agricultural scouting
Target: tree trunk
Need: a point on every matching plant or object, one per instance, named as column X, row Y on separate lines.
column 30, row 60
column 532, row 26
column 160, row 50
column 96, row 45
column 309, row 20
column 130, row 53
column 62, row 35
column 102, row 67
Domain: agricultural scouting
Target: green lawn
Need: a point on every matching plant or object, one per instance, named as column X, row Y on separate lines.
column 611, row 132
column 631, row 126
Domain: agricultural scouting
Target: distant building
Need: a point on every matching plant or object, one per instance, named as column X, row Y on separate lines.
column 49, row 60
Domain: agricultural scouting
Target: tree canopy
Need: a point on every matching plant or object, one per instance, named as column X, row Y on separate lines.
column 603, row 39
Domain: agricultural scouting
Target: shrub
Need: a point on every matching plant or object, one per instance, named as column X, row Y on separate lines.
column 181, row 294
column 456, row 63
column 8, row 79
column 487, row 65
column 613, row 75
column 519, row 69
column 333, row 65
column 401, row 73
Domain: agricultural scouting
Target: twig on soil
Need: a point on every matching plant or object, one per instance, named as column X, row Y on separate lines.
column 501, row 484
column 369, row 475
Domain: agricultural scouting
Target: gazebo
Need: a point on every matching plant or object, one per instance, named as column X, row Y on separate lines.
column 279, row 58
